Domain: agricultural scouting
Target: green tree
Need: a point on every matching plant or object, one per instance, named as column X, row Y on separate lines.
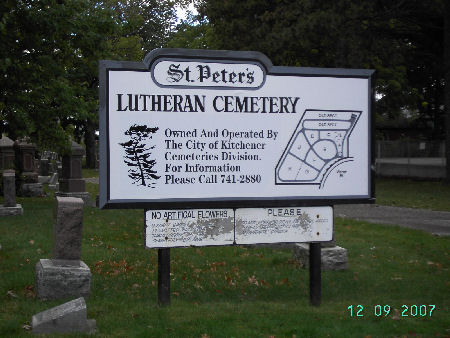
column 49, row 52
column 195, row 33
column 402, row 40
column 388, row 36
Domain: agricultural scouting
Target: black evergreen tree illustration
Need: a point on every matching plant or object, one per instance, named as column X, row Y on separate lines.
column 137, row 155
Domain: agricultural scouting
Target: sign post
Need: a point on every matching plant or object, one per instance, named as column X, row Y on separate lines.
column 315, row 274
column 164, row 276
column 223, row 148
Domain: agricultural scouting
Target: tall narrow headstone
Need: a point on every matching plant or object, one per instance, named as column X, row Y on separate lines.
column 25, row 163
column 25, row 153
column 72, row 177
column 67, row 229
column 9, row 207
column 44, row 170
column 6, row 153
column 71, row 183
column 65, row 275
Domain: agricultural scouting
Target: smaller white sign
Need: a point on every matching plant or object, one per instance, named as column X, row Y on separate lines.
column 284, row 225
column 203, row 227
column 190, row 227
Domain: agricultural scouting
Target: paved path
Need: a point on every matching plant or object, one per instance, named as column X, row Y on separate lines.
column 435, row 222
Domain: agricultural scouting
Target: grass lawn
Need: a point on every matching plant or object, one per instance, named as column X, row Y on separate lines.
column 232, row 291
column 413, row 194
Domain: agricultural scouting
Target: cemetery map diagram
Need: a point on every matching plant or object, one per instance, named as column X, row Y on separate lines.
column 318, row 145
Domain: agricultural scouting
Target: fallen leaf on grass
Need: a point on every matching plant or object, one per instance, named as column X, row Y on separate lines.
column 437, row 264
column 264, row 283
column 396, row 315
column 214, row 265
column 236, row 271
column 230, row 280
column 11, row 294
column 31, row 242
column 283, row 281
column 396, row 278
column 253, row 280
column 29, row 291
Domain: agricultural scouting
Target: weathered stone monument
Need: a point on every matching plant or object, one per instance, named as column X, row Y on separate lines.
column 10, row 207
column 333, row 257
column 26, row 165
column 65, row 275
column 71, row 183
column 6, row 153
column 70, row 317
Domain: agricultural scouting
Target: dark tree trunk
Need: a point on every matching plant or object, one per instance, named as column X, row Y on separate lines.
column 89, row 140
column 447, row 85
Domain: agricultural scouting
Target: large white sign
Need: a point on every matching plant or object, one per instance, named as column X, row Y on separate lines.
column 189, row 127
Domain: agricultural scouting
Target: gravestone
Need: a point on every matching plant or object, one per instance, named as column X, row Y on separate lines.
column 6, row 153
column 53, row 182
column 26, row 165
column 9, row 207
column 44, row 170
column 70, row 317
column 71, row 183
column 332, row 257
column 65, row 275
